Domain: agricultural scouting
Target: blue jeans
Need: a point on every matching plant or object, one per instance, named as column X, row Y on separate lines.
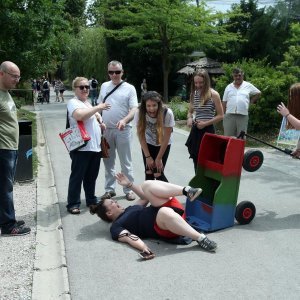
column 8, row 162
column 84, row 169
column 93, row 95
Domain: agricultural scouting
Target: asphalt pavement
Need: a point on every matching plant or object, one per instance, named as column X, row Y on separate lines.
column 255, row 261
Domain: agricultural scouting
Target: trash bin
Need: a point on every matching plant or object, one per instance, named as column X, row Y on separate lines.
column 24, row 164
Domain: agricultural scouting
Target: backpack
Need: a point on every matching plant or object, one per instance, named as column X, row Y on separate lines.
column 45, row 85
column 94, row 83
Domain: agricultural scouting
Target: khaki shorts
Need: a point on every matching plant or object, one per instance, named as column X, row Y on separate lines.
column 235, row 123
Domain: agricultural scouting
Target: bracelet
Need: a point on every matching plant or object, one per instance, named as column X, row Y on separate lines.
column 147, row 156
column 287, row 115
column 129, row 185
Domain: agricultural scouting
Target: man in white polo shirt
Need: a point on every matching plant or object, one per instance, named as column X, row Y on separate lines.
column 237, row 98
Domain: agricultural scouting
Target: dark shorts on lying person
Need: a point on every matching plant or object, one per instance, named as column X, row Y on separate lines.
column 141, row 221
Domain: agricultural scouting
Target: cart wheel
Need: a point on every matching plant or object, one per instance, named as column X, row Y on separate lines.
column 245, row 212
column 253, row 159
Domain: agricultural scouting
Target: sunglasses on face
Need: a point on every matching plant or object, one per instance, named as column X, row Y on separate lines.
column 114, row 72
column 82, row 87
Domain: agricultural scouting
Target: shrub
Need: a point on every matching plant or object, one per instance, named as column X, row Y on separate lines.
column 179, row 108
column 273, row 84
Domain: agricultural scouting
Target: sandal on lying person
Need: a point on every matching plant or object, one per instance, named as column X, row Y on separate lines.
column 74, row 210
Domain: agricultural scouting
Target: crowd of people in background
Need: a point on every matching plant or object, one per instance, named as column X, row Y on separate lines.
column 110, row 113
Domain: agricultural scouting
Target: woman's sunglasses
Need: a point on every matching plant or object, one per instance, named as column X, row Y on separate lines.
column 82, row 87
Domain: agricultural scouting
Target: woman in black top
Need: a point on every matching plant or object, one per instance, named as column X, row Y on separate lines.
column 162, row 219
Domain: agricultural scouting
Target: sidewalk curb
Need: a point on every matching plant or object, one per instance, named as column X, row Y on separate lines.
column 50, row 277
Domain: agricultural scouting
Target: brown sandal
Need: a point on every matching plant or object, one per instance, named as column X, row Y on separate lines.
column 74, row 210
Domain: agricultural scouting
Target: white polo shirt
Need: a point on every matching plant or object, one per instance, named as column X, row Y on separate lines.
column 238, row 99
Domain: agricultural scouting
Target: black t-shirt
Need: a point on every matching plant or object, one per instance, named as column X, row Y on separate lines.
column 137, row 220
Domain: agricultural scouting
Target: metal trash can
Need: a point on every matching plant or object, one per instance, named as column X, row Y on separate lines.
column 24, row 170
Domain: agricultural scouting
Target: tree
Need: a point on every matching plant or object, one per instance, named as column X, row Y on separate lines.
column 34, row 36
column 291, row 63
column 262, row 31
column 88, row 58
column 169, row 28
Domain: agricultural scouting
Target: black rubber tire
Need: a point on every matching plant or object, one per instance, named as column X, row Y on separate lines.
column 245, row 212
column 253, row 160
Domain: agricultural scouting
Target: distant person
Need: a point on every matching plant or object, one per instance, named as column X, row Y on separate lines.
column 9, row 140
column 118, row 133
column 144, row 88
column 154, row 123
column 183, row 92
column 56, row 90
column 205, row 110
column 237, row 98
column 61, row 90
column 93, row 90
column 164, row 218
column 34, row 89
column 46, row 90
column 38, row 85
column 292, row 112
column 86, row 160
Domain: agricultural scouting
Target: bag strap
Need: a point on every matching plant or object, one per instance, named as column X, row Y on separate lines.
column 68, row 123
column 112, row 91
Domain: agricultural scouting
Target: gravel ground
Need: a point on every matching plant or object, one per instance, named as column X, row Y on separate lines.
column 17, row 253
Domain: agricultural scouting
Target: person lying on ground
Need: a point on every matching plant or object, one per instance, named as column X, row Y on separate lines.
column 158, row 220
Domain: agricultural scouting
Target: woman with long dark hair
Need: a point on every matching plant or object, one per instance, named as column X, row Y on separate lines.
column 155, row 124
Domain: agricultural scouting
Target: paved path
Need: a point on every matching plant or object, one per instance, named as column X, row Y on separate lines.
column 257, row 261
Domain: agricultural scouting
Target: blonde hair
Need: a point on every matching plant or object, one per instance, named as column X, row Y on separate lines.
column 205, row 91
column 77, row 80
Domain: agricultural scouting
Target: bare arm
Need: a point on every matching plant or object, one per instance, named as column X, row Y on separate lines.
column 122, row 123
column 82, row 114
column 190, row 113
column 163, row 147
column 254, row 98
column 149, row 159
column 134, row 241
column 124, row 181
column 283, row 110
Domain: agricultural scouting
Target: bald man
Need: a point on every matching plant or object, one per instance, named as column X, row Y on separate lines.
column 9, row 139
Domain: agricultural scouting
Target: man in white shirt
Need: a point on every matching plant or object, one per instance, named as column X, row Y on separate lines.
column 237, row 98
column 118, row 131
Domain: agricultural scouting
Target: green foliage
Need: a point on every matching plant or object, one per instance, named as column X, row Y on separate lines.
column 165, row 28
column 263, row 33
column 273, row 84
column 179, row 108
column 291, row 63
column 35, row 33
column 87, row 55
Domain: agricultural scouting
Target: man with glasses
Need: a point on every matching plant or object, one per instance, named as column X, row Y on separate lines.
column 118, row 131
column 9, row 139
column 237, row 98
